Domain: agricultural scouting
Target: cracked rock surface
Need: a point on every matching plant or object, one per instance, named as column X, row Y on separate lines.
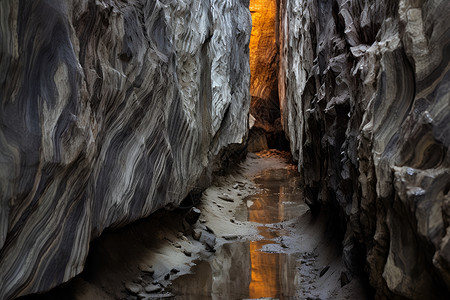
column 109, row 111
column 365, row 94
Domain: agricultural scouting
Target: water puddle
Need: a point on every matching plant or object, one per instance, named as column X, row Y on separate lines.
column 260, row 268
column 150, row 258
column 238, row 273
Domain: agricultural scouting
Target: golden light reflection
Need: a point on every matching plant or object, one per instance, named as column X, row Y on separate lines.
column 265, row 271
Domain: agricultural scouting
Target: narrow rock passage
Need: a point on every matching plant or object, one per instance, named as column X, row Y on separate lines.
column 255, row 238
column 259, row 265
column 292, row 256
column 113, row 112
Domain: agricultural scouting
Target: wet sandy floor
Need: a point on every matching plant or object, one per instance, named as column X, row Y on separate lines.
column 259, row 267
column 255, row 239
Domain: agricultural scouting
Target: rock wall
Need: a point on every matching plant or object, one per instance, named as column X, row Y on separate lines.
column 264, row 50
column 109, row 111
column 365, row 98
column 264, row 59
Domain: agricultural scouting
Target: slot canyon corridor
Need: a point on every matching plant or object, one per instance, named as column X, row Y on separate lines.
column 224, row 149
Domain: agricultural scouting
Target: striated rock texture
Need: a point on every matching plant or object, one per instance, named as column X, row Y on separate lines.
column 365, row 98
column 264, row 61
column 109, row 110
column 264, row 50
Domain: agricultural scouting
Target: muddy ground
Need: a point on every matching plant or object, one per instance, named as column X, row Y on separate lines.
column 236, row 249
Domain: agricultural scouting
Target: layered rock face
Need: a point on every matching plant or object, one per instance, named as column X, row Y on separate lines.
column 263, row 49
column 264, row 56
column 365, row 97
column 109, row 111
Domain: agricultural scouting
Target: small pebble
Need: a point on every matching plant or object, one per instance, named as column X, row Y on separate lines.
column 132, row 287
column 196, row 234
column 152, row 288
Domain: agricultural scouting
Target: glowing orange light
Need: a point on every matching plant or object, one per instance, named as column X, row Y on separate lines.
column 263, row 69
column 265, row 274
column 264, row 280
column 263, row 48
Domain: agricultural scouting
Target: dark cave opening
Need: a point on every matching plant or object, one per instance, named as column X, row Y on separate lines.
column 267, row 131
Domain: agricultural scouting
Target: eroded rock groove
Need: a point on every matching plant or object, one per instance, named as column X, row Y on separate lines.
column 110, row 110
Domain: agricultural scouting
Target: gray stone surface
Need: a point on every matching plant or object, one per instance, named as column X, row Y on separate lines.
column 109, row 111
column 365, row 93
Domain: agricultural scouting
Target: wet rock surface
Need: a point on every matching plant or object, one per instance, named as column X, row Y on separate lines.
column 364, row 91
column 109, row 111
column 274, row 247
